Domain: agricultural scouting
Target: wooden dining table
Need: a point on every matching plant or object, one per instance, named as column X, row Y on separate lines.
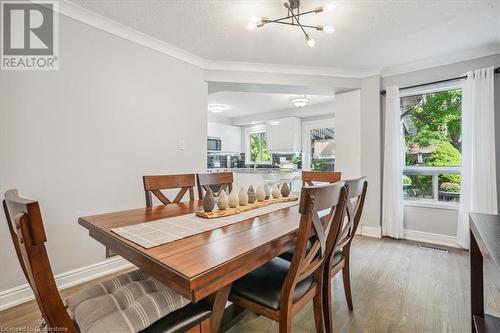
column 206, row 264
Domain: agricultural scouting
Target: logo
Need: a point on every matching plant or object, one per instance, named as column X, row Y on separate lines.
column 29, row 35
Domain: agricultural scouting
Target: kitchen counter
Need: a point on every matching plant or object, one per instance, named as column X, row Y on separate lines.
column 264, row 170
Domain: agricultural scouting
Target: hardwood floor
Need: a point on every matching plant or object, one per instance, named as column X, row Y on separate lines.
column 397, row 287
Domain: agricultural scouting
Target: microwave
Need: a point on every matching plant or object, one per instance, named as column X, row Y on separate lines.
column 214, row 144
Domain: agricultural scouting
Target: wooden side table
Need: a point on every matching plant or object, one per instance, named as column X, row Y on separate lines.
column 484, row 243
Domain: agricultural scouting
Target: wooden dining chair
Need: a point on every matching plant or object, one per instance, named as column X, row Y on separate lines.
column 279, row 289
column 153, row 185
column 339, row 258
column 216, row 181
column 312, row 177
column 132, row 301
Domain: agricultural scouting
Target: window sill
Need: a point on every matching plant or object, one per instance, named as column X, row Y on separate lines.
column 431, row 204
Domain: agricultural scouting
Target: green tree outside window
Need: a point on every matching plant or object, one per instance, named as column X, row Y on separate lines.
column 259, row 152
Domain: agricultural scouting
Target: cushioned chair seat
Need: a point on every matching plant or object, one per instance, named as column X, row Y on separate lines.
column 263, row 286
column 131, row 302
column 181, row 320
column 288, row 255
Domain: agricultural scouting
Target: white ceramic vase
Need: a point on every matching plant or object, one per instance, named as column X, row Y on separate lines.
column 276, row 191
column 234, row 199
column 243, row 196
column 222, row 200
column 260, row 193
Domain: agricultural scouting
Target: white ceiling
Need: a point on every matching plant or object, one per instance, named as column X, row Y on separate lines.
column 244, row 103
column 370, row 34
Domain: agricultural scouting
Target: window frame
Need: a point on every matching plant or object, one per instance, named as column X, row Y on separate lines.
column 259, row 128
column 425, row 170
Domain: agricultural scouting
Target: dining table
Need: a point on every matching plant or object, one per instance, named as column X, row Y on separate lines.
column 204, row 265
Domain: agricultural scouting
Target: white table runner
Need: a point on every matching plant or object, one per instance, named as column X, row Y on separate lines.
column 151, row 234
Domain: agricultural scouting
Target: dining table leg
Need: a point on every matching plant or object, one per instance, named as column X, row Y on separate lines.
column 219, row 300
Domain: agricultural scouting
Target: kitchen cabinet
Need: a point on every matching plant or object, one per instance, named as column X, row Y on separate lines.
column 229, row 135
column 284, row 135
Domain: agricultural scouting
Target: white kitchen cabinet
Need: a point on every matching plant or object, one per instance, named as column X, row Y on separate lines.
column 284, row 135
column 229, row 135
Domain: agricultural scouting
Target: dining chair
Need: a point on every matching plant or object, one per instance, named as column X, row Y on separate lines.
column 339, row 258
column 216, row 181
column 279, row 289
column 155, row 185
column 129, row 302
column 311, row 177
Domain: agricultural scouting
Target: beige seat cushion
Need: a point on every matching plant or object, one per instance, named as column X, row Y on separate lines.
column 127, row 303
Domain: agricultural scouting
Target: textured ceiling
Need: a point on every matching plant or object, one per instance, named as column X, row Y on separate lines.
column 245, row 103
column 369, row 34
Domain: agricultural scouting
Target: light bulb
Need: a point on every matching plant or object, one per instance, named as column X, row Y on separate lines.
column 311, row 42
column 331, row 6
column 328, row 29
column 254, row 19
column 251, row 26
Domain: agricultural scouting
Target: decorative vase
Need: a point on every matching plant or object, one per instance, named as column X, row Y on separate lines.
column 208, row 201
column 276, row 191
column 233, row 199
column 260, row 193
column 285, row 190
column 251, row 195
column 222, row 201
column 243, row 197
column 267, row 192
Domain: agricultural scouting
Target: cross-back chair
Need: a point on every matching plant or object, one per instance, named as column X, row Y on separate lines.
column 279, row 289
column 216, row 181
column 339, row 258
column 153, row 185
column 26, row 228
column 311, row 177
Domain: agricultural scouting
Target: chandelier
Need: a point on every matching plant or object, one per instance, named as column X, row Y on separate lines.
column 299, row 101
column 293, row 18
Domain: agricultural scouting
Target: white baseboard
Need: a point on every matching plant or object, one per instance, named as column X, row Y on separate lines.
column 427, row 237
column 23, row 293
column 369, row 231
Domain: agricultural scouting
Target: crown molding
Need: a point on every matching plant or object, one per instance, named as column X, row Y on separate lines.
column 290, row 69
column 449, row 59
column 105, row 24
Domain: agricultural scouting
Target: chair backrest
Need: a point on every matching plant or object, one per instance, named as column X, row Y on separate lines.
column 154, row 185
column 310, row 177
column 28, row 235
column 354, row 209
column 218, row 180
column 307, row 259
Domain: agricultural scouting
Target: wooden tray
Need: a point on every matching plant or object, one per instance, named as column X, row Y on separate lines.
column 232, row 211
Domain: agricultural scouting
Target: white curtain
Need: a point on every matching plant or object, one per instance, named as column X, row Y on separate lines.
column 392, row 200
column 478, row 190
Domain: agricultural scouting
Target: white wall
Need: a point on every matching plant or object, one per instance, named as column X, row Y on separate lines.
column 348, row 134
column 371, row 154
column 79, row 139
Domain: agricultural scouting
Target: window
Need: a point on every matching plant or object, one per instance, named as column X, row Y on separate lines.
column 322, row 149
column 259, row 152
column 431, row 124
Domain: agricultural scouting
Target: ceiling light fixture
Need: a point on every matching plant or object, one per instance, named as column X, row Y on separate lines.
column 299, row 101
column 293, row 18
column 217, row 108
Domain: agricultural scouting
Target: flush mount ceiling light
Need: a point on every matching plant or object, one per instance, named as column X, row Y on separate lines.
column 299, row 101
column 217, row 108
column 293, row 18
